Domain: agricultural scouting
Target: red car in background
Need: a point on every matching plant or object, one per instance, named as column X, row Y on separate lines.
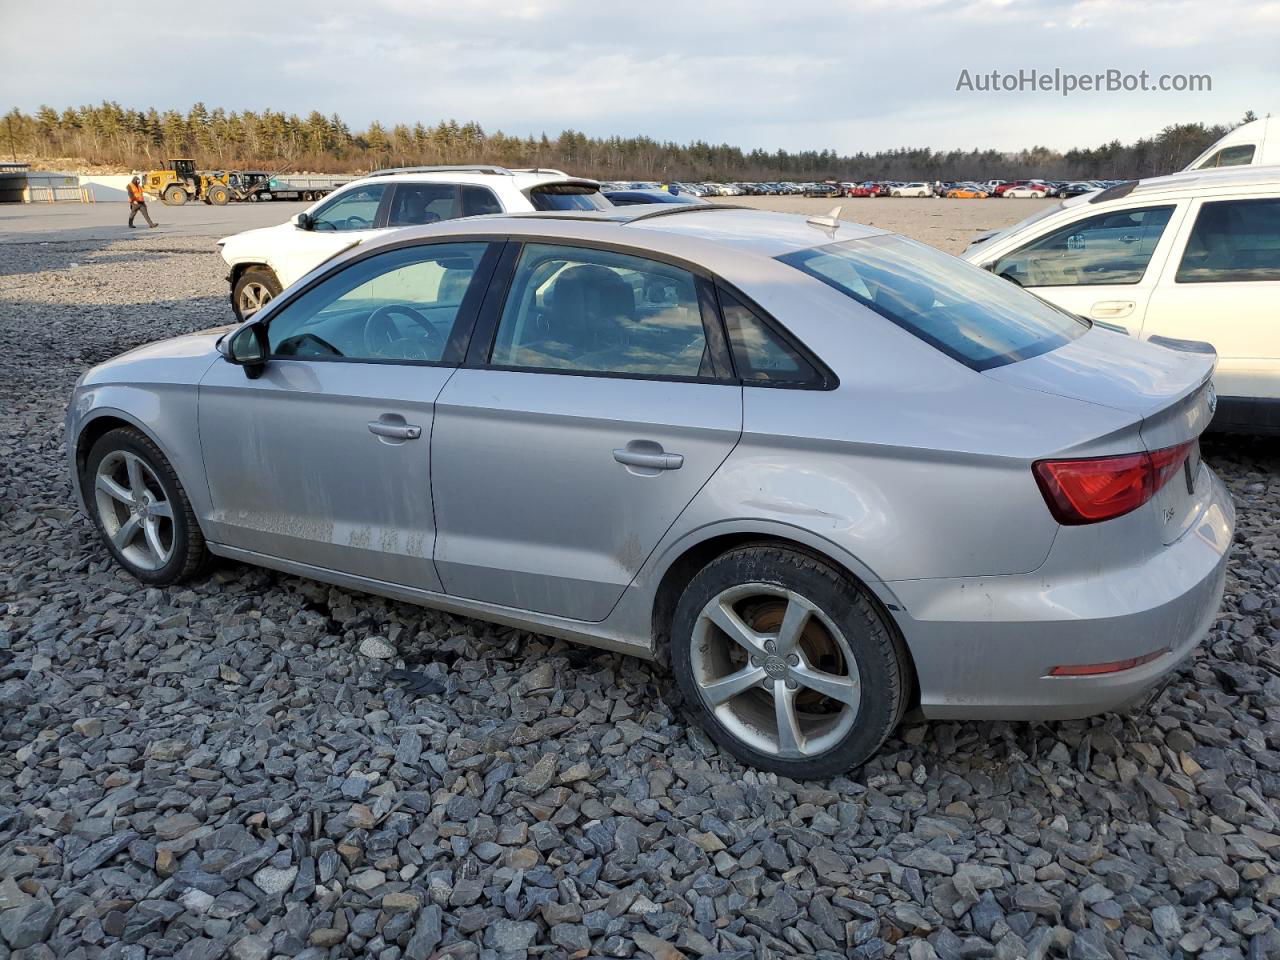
column 868, row 189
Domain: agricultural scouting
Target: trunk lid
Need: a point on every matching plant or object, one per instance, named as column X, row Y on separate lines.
column 1171, row 390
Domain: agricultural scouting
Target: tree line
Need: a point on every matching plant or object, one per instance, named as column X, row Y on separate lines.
column 109, row 134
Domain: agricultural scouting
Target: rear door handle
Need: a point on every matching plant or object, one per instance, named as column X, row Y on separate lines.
column 650, row 461
column 395, row 431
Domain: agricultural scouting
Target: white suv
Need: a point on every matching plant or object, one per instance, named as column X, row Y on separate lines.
column 266, row 260
column 912, row 190
column 1179, row 260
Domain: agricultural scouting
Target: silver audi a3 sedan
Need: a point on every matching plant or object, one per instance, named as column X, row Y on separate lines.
column 831, row 472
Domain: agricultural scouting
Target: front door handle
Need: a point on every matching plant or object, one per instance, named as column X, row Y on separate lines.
column 1106, row 309
column 648, row 460
column 395, row 431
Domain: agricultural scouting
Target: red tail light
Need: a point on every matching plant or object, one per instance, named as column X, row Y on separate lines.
column 1090, row 491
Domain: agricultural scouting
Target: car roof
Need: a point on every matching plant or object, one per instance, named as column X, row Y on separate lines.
column 1193, row 181
column 720, row 238
column 698, row 232
column 522, row 179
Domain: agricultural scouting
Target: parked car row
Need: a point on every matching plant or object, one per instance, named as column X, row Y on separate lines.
column 1033, row 188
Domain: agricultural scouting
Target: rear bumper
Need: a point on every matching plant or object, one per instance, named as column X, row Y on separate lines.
column 983, row 647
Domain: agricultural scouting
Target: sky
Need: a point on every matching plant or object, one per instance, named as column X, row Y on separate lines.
column 864, row 75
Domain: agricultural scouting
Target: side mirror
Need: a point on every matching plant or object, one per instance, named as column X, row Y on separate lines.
column 302, row 221
column 247, row 348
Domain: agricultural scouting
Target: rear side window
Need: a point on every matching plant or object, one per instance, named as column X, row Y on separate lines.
column 1109, row 248
column 1230, row 157
column 966, row 312
column 419, row 203
column 478, row 200
column 1233, row 241
column 567, row 196
column 594, row 311
column 760, row 354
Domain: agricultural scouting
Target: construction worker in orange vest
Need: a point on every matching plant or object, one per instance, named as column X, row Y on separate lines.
column 138, row 202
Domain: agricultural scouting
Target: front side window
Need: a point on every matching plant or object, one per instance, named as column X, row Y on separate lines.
column 567, row 196
column 418, row 203
column 760, row 353
column 401, row 305
column 1233, row 240
column 356, row 209
column 1230, row 157
column 595, row 311
column 966, row 312
column 1109, row 248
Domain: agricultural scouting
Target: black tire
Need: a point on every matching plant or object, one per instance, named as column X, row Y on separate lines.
column 251, row 286
column 879, row 654
column 188, row 552
column 218, row 196
column 173, row 196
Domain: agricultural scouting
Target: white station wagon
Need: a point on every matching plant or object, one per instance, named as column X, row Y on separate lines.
column 1189, row 257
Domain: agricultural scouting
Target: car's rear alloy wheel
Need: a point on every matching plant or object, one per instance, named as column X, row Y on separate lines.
column 140, row 508
column 787, row 663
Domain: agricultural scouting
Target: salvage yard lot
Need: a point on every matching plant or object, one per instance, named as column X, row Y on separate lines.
column 218, row 770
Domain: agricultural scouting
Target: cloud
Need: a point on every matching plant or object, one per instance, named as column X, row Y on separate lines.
column 863, row 75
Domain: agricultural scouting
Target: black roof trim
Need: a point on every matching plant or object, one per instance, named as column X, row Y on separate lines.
column 1114, row 193
column 670, row 209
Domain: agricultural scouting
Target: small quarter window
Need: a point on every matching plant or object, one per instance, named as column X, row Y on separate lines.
column 760, row 354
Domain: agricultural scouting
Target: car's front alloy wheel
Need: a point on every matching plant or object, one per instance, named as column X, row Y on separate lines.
column 140, row 508
column 254, row 289
column 786, row 663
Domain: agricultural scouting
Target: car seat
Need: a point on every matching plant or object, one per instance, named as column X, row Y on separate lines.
column 586, row 310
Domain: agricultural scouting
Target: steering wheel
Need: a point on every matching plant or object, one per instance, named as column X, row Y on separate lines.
column 357, row 223
column 381, row 333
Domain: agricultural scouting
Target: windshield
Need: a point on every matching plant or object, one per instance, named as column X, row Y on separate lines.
column 1037, row 216
column 969, row 314
column 567, row 196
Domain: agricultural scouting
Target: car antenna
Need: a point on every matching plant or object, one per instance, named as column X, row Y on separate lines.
column 828, row 222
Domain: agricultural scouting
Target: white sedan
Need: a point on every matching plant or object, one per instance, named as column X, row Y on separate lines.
column 1031, row 191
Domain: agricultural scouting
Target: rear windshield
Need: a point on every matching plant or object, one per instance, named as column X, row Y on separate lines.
column 567, row 196
column 969, row 314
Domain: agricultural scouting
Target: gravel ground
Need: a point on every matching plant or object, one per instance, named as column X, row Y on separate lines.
column 220, row 769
